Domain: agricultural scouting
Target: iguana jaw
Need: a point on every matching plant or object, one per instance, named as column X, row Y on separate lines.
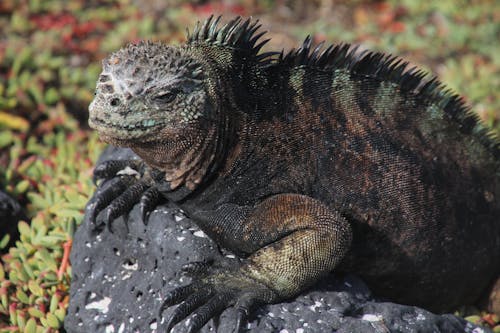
column 123, row 131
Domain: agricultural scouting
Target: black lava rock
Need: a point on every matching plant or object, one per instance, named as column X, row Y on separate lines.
column 120, row 278
column 10, row 214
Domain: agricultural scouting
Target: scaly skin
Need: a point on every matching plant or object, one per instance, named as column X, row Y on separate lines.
column 304, row 163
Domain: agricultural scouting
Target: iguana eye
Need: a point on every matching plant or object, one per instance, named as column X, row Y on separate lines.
column 166, row 96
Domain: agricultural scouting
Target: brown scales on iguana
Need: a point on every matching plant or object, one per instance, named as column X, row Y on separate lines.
column 304, row 163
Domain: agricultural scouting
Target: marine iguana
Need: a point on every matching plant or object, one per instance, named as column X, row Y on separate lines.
column 302, row 163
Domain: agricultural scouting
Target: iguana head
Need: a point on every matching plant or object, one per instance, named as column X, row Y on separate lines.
column 147, row 92
column 153, row 98
column 176, row 106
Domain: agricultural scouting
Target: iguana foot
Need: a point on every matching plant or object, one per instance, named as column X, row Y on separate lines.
column 210, row 296
column 130, row 182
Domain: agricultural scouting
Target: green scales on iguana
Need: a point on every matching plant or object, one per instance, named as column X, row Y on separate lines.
column 319, row 160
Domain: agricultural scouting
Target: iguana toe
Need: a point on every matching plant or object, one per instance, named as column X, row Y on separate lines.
column 124, row 202
column 149, row 200
column 106, row 195
column 197, row 269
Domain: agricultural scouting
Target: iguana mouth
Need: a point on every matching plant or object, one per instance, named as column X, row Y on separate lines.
column 143, row 130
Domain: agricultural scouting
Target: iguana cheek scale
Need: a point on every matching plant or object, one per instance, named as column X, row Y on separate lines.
column 302, row 163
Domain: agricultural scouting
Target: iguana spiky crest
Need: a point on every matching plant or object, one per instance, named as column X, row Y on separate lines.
column 237, row 35
column 238, row 43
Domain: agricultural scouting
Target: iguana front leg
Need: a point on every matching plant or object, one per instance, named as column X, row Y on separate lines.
column 294, row 240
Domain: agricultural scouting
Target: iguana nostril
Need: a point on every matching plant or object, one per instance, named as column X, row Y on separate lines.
column 108, row 88
column 103, row 78
column 115, row 102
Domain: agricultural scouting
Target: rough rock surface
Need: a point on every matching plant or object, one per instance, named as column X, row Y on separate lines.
column 119, row 280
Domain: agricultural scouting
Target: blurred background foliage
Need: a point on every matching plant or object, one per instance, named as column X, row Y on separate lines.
column 50, row 53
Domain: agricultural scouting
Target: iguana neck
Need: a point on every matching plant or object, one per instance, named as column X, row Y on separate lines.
column 197, row 151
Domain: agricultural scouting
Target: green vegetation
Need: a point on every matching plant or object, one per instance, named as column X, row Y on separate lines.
column 50, row 54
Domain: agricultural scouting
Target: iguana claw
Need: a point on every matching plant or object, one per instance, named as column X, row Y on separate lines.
column 240, row 319
column 244, row 308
